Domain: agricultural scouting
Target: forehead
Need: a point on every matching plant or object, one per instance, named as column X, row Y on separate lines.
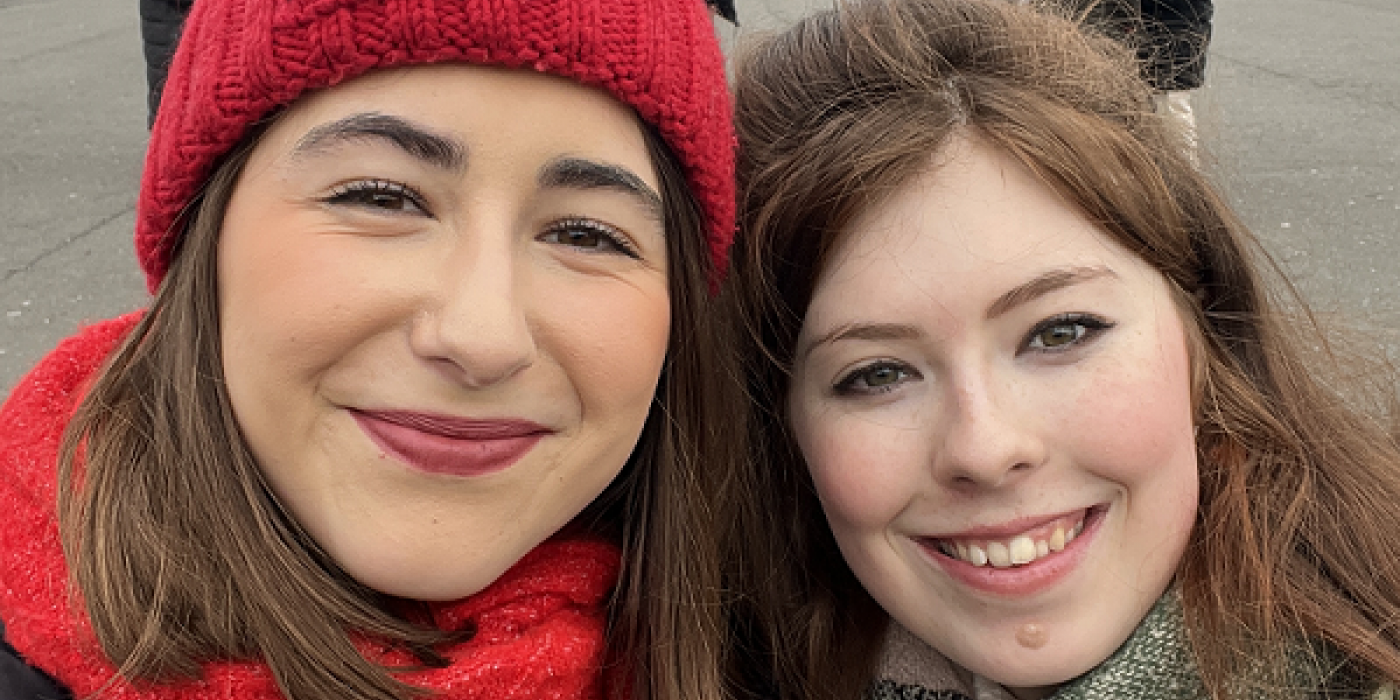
column 972, row 215
column 496, row 113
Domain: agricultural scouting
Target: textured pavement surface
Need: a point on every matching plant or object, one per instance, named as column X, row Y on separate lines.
column 1300, row 120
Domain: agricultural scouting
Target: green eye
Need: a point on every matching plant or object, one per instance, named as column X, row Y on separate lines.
column 1065, row 331
column 1058, row 335
column 877, row 378
column 883, row 376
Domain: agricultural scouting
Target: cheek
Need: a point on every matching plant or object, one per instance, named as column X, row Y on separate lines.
column 1145, row 438
column 865, row 473
column 277, row 291
column 612, row 341
column 297, row 299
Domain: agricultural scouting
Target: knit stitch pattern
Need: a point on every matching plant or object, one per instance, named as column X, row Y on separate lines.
column 1156, row 663
column 239, row 61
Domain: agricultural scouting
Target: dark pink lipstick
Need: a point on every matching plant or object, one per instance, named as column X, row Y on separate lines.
column 448, row 445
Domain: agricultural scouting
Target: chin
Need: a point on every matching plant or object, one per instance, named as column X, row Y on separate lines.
column 1028, row 673
column 429, row 591
column 430, row 582
column 1063, row 658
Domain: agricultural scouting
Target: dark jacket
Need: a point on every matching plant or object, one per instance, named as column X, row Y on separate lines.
column 20, row 681
column 1170, row 36
column 161, row 21
column 1178, row 33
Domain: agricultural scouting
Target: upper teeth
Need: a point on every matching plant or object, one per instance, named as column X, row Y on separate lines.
column 1017, row 551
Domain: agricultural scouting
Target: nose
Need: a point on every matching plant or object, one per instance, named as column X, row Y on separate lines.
column 989, row 438
column 474, row 326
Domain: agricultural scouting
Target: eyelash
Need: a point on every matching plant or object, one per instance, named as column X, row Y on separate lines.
column 362, row 193
column 1087, row 328
column 849, row 385
column 613, row 237
column 857, row 382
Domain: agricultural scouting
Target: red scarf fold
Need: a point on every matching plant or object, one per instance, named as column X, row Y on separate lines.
column 539, row 628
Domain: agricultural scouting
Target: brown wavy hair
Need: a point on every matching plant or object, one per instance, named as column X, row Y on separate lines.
column 182, row 553
column 1296, row 540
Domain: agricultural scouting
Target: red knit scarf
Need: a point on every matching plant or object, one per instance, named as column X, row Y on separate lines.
column 539, row 627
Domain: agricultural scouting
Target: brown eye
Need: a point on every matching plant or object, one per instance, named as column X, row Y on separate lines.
column 378, row 195
column 385, row 200
column 589, row 235
column 583, row 238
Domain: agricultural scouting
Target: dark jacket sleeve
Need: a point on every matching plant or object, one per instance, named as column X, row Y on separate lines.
column 161, row 21
column 1177, row 33
column 20, row 681
column 1169, row 36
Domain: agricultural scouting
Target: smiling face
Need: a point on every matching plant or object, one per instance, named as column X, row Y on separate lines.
column 444, row 310
column 994, row 400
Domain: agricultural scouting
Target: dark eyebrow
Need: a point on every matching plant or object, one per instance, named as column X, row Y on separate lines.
column 418, row 141
column 1044, row 284
column 580, row 173
column 864, row 331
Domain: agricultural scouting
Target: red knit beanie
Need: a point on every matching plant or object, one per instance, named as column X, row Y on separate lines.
column 239, row 60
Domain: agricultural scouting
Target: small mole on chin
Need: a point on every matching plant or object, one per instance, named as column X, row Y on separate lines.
column 1031, row 636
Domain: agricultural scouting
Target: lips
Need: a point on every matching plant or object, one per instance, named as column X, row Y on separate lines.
column 1019, row 559
column 448, row 445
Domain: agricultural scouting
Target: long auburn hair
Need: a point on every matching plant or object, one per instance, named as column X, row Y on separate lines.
column 1296, row 540
column 182, row 553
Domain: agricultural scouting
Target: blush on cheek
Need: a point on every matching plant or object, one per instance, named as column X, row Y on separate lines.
column 1149, row 442
column 857, row 483
column 1143, row 402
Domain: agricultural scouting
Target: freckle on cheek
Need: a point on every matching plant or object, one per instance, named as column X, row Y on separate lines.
column 1031, row 636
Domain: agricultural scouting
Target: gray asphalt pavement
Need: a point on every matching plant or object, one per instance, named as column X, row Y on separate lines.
column 1300, row 120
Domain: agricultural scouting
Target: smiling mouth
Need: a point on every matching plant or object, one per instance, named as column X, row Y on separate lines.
column 450, row 446
column 1020, row 549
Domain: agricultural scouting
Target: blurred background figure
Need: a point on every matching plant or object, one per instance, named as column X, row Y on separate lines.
column 1171, row 38
column 160, row 30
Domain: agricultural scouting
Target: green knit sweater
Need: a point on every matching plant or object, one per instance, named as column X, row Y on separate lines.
column 1155, row 663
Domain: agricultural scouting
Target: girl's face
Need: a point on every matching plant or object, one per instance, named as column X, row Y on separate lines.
column 444, row 307
column 995, row 403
